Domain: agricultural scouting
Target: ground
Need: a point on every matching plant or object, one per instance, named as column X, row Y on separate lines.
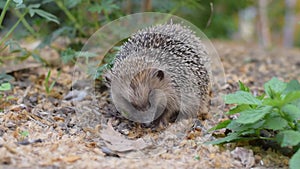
column 42, row 130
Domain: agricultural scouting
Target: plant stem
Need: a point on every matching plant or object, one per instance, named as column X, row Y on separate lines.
column 8, row 57
column 4, row 11
column 266, row 138
column 69, row 15
column 25, row 23
column 291, row 124
column 47, row 82
column 13, row 28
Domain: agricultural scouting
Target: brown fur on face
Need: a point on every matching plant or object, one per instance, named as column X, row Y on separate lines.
column 143, row 83
column 144, row 87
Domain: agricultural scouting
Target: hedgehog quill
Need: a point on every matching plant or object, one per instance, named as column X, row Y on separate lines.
column 160, row 74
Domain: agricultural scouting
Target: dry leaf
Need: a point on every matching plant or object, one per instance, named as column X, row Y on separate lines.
column 116, row 142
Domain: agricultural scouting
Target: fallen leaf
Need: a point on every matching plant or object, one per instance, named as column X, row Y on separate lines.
column 116, row 142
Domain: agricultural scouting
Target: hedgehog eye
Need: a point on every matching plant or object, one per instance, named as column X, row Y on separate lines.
column 149, row 103
column 159, row 74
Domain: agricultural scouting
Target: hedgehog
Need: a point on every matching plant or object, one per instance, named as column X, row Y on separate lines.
column 160, row 75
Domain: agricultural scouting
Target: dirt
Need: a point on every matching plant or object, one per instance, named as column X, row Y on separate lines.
column 43, row 130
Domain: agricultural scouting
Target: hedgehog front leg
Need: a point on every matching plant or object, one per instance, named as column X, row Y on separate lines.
column 167, row 117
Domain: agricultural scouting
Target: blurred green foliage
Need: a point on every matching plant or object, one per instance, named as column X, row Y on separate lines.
column 83, row 17
column 216, row 18
column 49, row 19
column 75, row 19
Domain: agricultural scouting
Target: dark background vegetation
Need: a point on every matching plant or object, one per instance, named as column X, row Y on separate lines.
column 40, row 41
column 217, row 18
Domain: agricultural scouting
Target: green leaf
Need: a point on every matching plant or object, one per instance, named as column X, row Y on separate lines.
column 18, row 2
column 234, row 126
column 109, row 6
column 43, row 14
column 293, row 85
column 227, row 139
column 238, row 127
column 243, row 87
column 292, row 96
column 221, row 125
column 275, row 102
column 248, row 132
column 288, row 138
column 276, row 123
column 238, row 109
column 85, row 54
column 295, row 160
column 274, row 85
column 241, row 97
column 197, row 157
column 96, row 8
column 14, row 46
column 31, row 6
column 4, row 78
column 72, row 3
column 292, row 112
column 261, row 96
column 38, row 58
column 251, row 116
column 106, row 6
column 5, row 86
column 24, row 133
column 68, row 55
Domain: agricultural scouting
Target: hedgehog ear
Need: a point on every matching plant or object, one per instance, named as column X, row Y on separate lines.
column 159, row 74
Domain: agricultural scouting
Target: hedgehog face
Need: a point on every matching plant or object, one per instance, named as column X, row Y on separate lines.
column 143, row 87
column 145, row 100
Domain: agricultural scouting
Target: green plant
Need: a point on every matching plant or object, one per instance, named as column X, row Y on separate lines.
column 277, row 111
column 21, row 10
column 70, row 55
column 94, row 69
column 70, row 16
column 80, row 18
column 23, row 134
column 107, row 63
column 17, row 53
column 32, row 10
column 105, row 7
column 49, row 86
column 5, row 86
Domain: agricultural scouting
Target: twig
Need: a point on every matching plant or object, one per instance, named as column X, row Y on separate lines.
column 27, row 142
column 20, row 101
column 211, row 14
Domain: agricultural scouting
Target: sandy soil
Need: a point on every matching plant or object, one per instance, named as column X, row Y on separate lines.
column 40, row 130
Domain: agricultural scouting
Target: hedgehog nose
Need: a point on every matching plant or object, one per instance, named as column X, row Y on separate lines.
column 142, row 107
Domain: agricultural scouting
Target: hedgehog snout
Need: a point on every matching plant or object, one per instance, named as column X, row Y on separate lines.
column 145, row 105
